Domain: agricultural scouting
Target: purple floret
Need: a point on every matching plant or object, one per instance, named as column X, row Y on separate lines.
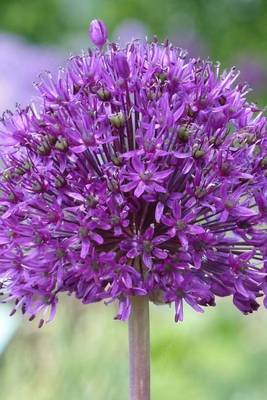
column 139, row 172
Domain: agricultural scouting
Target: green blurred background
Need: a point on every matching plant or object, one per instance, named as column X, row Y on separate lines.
column 219, row 355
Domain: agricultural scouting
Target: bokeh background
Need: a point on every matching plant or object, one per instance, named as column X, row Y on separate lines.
column 220, row 355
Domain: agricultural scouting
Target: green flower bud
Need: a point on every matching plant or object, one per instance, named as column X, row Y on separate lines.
column 199, row 153
column 61, row 144
column 117, row 120
column 183, row 134
column 103, row 94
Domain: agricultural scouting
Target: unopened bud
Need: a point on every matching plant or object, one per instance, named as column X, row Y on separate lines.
column 98, row 32
column 121, row 65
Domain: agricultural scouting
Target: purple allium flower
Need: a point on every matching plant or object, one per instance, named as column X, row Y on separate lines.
column 139, row 172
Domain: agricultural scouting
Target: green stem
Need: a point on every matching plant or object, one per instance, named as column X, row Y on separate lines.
column 139, row 349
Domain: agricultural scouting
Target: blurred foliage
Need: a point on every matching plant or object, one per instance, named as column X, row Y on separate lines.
column 228, row 26
column 83, row 355
column 229, row 29
column 37, row 20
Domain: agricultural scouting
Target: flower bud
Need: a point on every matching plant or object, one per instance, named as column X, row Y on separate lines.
column 121, row 65
column 98, row 32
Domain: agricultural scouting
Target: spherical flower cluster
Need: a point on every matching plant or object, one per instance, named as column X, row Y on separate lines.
column 139, row 173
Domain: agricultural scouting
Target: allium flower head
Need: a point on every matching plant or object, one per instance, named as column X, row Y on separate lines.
column 139, row 172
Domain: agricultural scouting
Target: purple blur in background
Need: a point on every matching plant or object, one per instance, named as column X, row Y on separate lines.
column 27, row 60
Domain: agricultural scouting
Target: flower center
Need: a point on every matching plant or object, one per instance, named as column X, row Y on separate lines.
column 83, row 232
column 229, row 204
column 94, row 265
column 91, row 200
column 148, row 246
column 89, row 139
column 180, row 224
column 115, row 219
column 60, row 253
column 199, row 153
column 12, row 197
column 226, row 168
column 179, row 293
column 146, row 176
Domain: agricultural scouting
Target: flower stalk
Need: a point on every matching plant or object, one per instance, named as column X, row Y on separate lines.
column 139, row 349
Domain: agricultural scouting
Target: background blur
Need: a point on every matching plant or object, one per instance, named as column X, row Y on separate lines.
column 220, row 355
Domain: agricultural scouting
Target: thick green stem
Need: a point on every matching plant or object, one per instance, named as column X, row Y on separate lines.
column 139, row 349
